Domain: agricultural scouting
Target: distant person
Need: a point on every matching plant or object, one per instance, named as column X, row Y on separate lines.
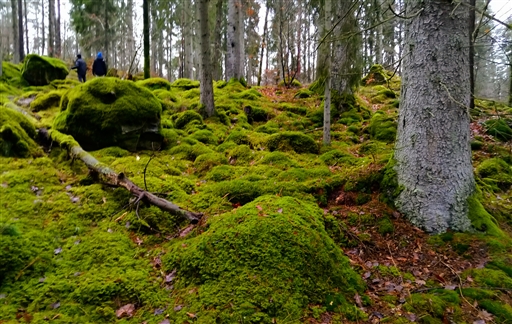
column 81, row 68
column 99, row 67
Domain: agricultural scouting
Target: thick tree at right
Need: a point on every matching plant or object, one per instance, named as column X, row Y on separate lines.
column 433, row 154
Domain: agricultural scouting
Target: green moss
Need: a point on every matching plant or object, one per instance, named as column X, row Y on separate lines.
column 11, row 75
column 350, row 117
column 278, row 159
column 478, row 293
column 47, row 100
column 165, row 95
column 249, row 94
column 241, row 154
column 269, row 128
column 206, row 162
column 111, row 112
column 205, row 136
column 185, row 84
column 190, row 152
column 292, row 141
column 294, row 109
column 155, row 84
column 476, row 145
column 481, row 219
column 268, row 259
column 497, row 170
column 337, row 157
column 389, row 184
column 186, row 117
column 490, row 278
column 293, row 84
column 17, row 135
column 383, row 127
column 385, row 226
column 238, row 137
column 377, row 75
column 41, row 70
column 499, row 128
column 433, row 304
column 64, row 84
column 503, row 312
column 303, row 94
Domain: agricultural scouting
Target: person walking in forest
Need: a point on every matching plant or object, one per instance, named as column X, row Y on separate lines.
column 81, row 68
column 99, row 67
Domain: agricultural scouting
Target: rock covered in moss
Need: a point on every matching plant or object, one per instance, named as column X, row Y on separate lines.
column 185, row 84
column 383, row 127
column 111, row 112
column 267, row 260
column 41, row 70
column 155, row 84
column 11, row 74
column 292, row 141
column 377, row 75
column 64, row 84
column 44, row 101
column 16, row 135
column 186, row 118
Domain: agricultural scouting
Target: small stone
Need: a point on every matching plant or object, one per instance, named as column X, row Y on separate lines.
column 57, row 250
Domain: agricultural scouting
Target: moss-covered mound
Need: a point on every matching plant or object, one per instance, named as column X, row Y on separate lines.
column 41, row 70
column 292, row 141
column 499, row 128
column 185, row 84
column 377, row 75
column 265, row 261
column 11, row 74
column 155, row 84
column 16, row 135
column 45, row 101
column 495, row 172
column 111, row 112
column 383, row 127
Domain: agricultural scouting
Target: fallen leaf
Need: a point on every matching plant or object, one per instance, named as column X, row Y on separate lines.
column 479, row 322
column 259, row 207
column 165, row 321
column 55, row 305
column 170, row 277
column 420, row 282
column 367, row 275
column 159, row 311
column 178, row 308
column 126, row 310
column 469, row 279
column 138, row 241
column 191, row 315
column 358, row 300
column 187, row 230
column 57, row 250
column 280, row 210
column 410, row 316
column 450, row 287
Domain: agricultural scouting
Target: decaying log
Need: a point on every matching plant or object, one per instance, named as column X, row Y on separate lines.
column 110, row 177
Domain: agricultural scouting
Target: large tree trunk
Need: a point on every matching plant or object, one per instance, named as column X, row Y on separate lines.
column 217, row 49
column 145, row 12
column 433, row 155
column 110, row 177
column 327, row 94
column 233, row 39
column 21, row 43
column 15, row 30
column 206, row 73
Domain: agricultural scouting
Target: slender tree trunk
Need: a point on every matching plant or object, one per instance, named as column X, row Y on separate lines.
column 263, row 41
column 206, row 74
column 471, row 28
column 145, row 10
column 327, row 94
column 106, row 32
column 509, row 85
column 378, row 32
column 233, row 41
column 15, row 29
column 25, row 12
column 433, row 155
column 58, row 40
column 241, row 37
column 217, row 50
column 188, row 35
column 43, row 31
column 21, row 43
column 129, row 37
column 154, row 36
column 51, row 28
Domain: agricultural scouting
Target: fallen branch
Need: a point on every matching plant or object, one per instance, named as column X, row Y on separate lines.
column 110, row 177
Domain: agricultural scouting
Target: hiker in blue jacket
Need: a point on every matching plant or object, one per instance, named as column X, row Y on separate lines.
column 81, row 68
column 99, row 67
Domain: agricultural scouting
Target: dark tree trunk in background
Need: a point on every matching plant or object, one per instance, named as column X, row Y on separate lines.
column 206, row 73
column 510, row 86
column 15, row 27
column 471, row 28
column 233, row 59
column 51, row 28
column 433, row 154
column 21, row 43
column 43, row 33
column 145, row 10
column 327, row 49
column 25, row 13
column 217, row 49
column 58, row 39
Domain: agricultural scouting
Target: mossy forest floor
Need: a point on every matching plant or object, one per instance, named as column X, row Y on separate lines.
column 293, row 232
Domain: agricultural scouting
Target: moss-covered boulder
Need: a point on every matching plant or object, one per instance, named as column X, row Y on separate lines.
column 292, row 141
column 496, row 171
column 155, row 84
column 185, row 84
column 16, row 135
column 44, row 101
column 41, row 70
column 264, row 262
column 377, row 75
column 499, row 128
column 111, row 112
column 11, row 74
column 383, row 127
column 187, row 117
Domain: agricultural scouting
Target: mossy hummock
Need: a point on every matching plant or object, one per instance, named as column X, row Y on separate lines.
column 17, row 135
column 41, row 70
column 111, row 112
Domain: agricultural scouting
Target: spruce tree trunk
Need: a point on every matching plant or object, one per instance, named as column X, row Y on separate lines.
column 510, row 85
column 433, row 155
column 25, row 13
column 206, row 73
column 263, row 41
column 471, row 21
column 21, row 42
column 233, row 39
column 43, row 31
column 217, row 49
column 15, row 26
column 145, row 13
column 51, row 28
column 130, row 41
column 188, row 35
column 327, row 91
column 58, row 40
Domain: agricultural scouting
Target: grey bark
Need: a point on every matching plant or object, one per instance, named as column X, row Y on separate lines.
column 233, row 58
column 378, row 32
column 217, row 49
column 43, row 31
column 21, row 43
column 25, row 13
column 130, row 41
column 433, row 155
column 51, row 28
column 188, row 60
column 263, row 42
column 15, row 30
column 241, row 38
column 58, row 40
column 327, row 94
column 206, row 73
